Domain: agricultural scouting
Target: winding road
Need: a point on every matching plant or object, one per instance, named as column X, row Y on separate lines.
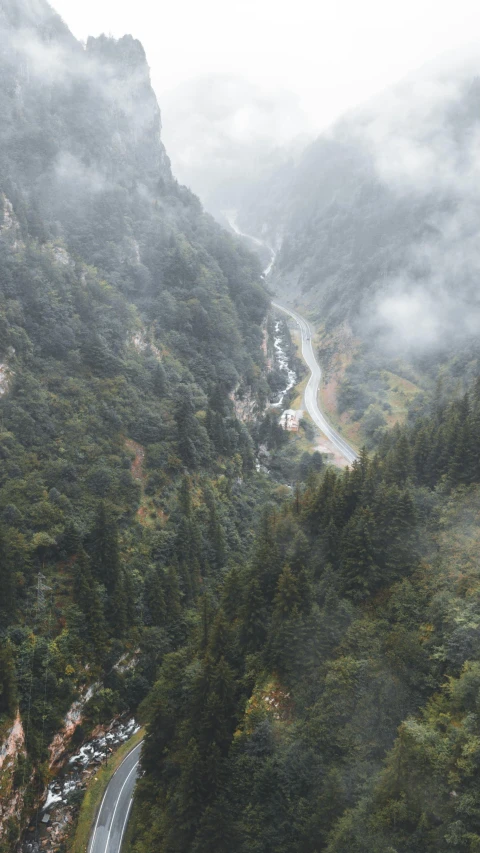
column 311, row 391
column 308, row 353
column 111, row 821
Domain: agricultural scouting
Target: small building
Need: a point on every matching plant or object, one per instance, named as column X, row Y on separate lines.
column 290, row 420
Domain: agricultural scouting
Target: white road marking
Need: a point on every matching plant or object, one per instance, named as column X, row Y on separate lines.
column 92, row 840
column 124, row 824
column 116, row 805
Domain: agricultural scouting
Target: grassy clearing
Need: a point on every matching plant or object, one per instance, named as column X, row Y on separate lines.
column 95, row 791
column 401, row 392
column 398, row 396
column 297, row 403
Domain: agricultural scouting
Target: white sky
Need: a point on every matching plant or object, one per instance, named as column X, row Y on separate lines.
column 334, row 55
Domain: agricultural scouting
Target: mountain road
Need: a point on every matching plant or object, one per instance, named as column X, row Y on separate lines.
column 311, row 391
column 112, row 817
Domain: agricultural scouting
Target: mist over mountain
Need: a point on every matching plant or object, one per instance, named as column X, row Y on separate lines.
column 129, row 324
column 226, row 135
column 378, row 221
column 300, row 640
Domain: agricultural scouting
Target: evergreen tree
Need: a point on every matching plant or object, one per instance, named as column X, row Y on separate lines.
column 105, row 549
column 8, row 684
column 253, row 616
column 360, row 573
column 159, row 379
column 86, row 595
column 154, row 593
column 7, row 583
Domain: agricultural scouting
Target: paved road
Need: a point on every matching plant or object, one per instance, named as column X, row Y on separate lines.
column 311, row 391
column 113, row 815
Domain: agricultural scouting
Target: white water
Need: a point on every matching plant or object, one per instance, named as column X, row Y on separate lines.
column 95, row 752
column 280, row 355
column 282, row 362
column 311, row 391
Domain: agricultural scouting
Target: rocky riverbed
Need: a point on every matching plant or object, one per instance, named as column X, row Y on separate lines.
column 56, row 815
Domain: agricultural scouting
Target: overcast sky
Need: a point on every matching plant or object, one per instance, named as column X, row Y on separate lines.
column 333, row 54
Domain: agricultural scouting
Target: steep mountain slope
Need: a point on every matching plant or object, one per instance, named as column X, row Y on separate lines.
column 127, row 320
column 378, row 231
column 332, row 702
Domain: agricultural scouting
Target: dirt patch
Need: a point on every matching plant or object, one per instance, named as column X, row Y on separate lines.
column 139, row 458
column 326, row 448
column 14, row 741
column 270, row 698
column 73, row 718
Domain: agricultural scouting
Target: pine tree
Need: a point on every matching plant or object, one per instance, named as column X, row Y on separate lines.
column 266, row 563
column 318, row 500
column 82, row 581
column 231, row 594
column 219, row 638
column 253, row 616
column 7, row 584
column 360, row 574
column 105, row 550
column 215, row 531
column 287, row 596
column 71, row 540
column 118, row 607
column 87, row 596
column 399, row 463
column 159, row 380
column 286, row 626
column 154, row 593
column 8, row 684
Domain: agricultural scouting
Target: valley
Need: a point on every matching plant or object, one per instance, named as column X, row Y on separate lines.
column 239, row 476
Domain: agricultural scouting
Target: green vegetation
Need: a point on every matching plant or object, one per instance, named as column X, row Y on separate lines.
column 327, row 694
column 128, row 323
column 304, row 646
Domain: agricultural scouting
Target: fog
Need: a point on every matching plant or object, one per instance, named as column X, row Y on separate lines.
column 223, row 133
column 424, row 138
column 285, row 73
column 241, row 95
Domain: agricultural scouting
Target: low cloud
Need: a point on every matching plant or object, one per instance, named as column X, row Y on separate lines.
column 423, row 139
column 223, row 133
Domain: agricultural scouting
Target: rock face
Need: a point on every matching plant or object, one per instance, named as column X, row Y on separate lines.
column 11, row 801
column 73, row 718
column 13, row 744
column 80, row 125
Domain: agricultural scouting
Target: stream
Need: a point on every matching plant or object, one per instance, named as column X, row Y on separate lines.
column 282, row 363
column 280, row 354
column 55, row 814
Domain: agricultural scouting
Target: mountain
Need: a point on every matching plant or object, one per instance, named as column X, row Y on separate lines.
column 128, row 321
column 227, row 134
column 331, row 703
column 306, row 656
column 377, row 231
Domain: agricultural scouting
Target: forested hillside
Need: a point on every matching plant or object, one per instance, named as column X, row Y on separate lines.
column 128, row 320
column 330, row 699
column 303, row 643
column 376, row 228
